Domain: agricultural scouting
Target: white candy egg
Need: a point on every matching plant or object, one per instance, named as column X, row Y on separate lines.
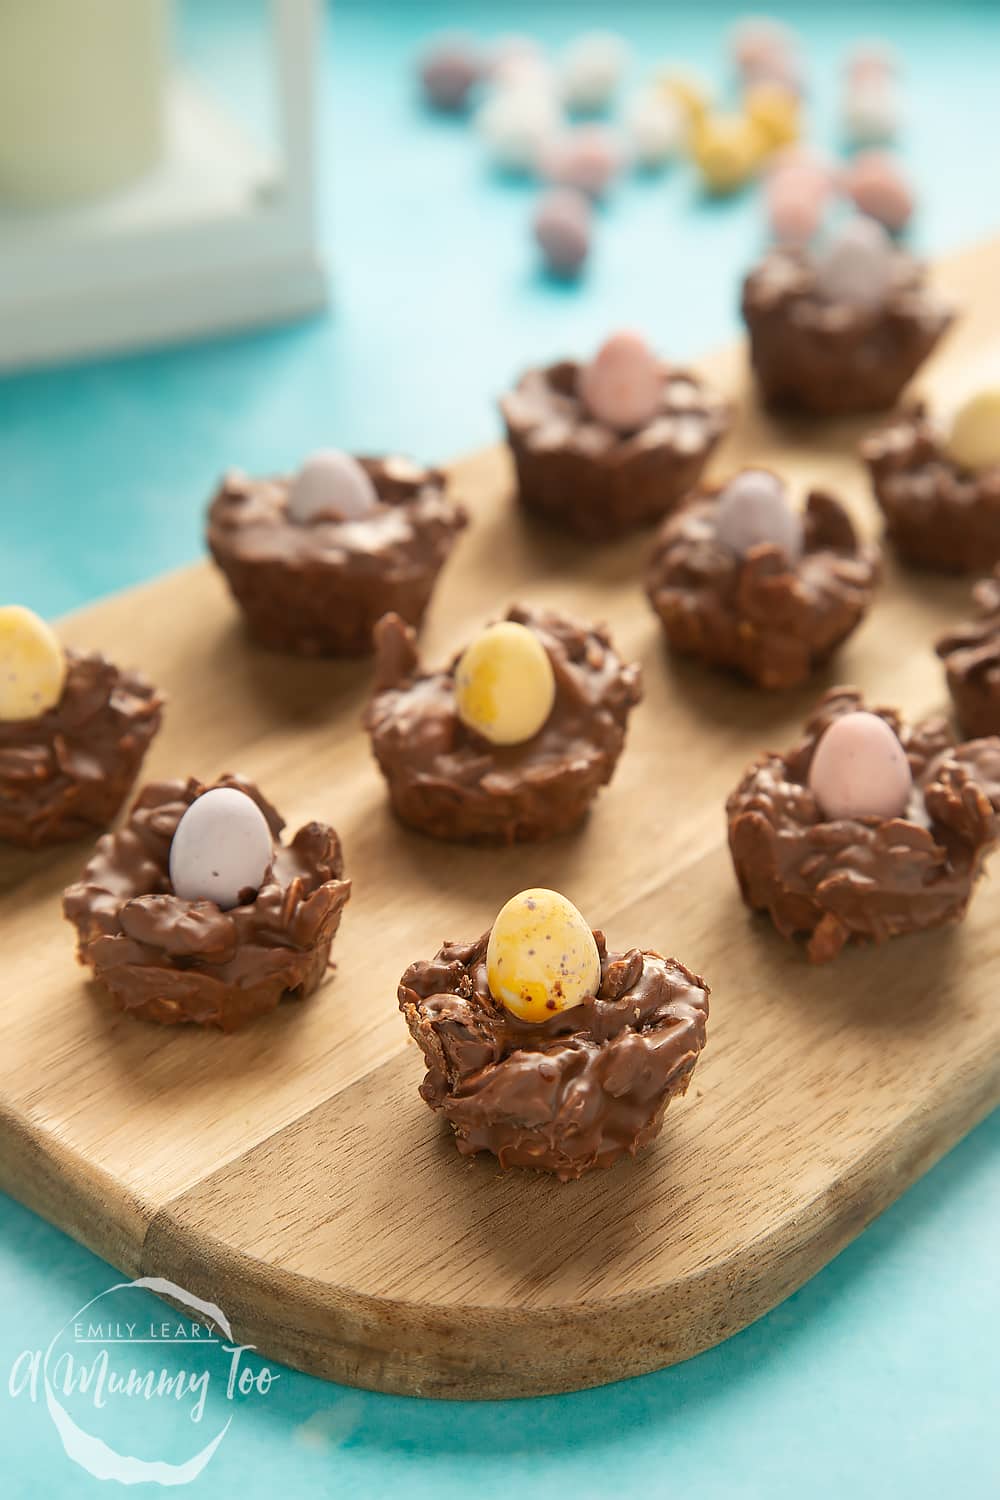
column 856, row 265
column 753, row 509
column 515, row 123
column 331, row 483
column 591, row 70
column 222, row 848
column 656, row 127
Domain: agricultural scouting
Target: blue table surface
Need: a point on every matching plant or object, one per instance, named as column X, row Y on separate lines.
column 880, row 1377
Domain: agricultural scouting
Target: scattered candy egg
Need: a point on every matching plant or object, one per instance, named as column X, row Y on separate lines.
column 752, row 510
column 504, row 684
column 656, row 128
column 562, row 229
column 727, row 152
column 870, row 113
column 32, row 665
column 877, row 186
column 974, row 441
column 587, row 157
column 756, row 41
column 796, row 197
column 860, row 770
column 515, row 123
column 857, row 264
column 331, row 483
column 541, row 957
column 591, row 70
column 221, row 849
column 775, row 111
column 622, row 385
column 515, row 59
column 449, row 71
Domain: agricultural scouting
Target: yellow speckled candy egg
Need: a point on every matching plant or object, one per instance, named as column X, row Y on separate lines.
column 541, row 957
column 32, row 665
column 775, row 110
column 975, row 435
column 504, row 684
column 727, row 152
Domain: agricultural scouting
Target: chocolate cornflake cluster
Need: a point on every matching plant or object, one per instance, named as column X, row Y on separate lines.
column 866, row 878
column 971, row 656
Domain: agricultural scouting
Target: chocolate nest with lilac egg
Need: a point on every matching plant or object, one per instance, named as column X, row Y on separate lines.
column 513, row 740
column 867, row 829
column 196, row 911
column 939, row 487
column 605, row 448
column 744, row 582
column 840, row 330
column 315, row 561
column 545, row 1049
column 971, row 656
column 74, row 730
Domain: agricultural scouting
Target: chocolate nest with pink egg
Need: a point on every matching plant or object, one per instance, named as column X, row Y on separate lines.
column 938, row 515
column 171, row 960
column 66, row 773
column 593, row 480
column 580, row 1090
column 449, row 782
column 866, row 878
column 771, row 619
column 837, row 358
column 318, row 588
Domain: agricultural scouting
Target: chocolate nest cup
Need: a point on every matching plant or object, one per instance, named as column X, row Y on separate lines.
column 319, row 587
column 66, row 773
column 593, row 480
column 865, row 878
column 772, row 621
column 578, row 1091
column 836, row 358
column 971, row 656
column 938, row 515
column 448, row 781
column 170, row 960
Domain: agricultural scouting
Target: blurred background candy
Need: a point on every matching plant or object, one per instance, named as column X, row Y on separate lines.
column 591, row 70
column 586, row 157
column 449, row 70
column 855, row 264
column 656, row 128
column 562, row 230
column 876, row 183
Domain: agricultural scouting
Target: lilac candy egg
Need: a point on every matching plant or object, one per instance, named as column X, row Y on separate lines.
column 331, row 483
column 562, row 230
column 449, row 71
column 622, row 385
column 221, row 850
column 856, row 265
column 753, row 511
column 860, row 770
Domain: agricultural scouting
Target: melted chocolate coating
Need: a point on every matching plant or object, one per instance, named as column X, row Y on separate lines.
column 170, row 960
column 318, row 588
column 67, row 772
column 578, row 1091
column 773, row 621
column 451, row 783
column 866, row 877
column 836, row 358
column 592, row 480
column 971, row 656
column 937, row 514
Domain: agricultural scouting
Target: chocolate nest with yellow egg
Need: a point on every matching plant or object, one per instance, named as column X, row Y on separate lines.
column 580, row 1089
column 458, row 782
column 65, row 772
column 836, row 876
column 169, row 958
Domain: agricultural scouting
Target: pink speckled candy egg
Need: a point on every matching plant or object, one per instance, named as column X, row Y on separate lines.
column 221, row 849
column 860, row 770
column 561, row 228
column 753, row 510
column 856, row 264
column 623, row 384
column 878, row 187
column 588, row 157
column 331, row 483
column 449, row 71
column 796, row 197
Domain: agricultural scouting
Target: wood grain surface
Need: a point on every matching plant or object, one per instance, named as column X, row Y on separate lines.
column 291, row 1174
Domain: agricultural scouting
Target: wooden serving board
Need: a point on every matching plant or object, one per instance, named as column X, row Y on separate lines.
column 291, row 1173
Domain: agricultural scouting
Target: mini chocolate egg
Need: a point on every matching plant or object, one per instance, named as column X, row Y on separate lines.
column 727, row 150
column 870, row 112
column 561, row 227
column 449, row 70
column 622, row 385
column 591, row 70
column 974, row 441
column 515, row 59
column 753, row 511
column 541, row 957
column 757, row 42
column 875, row 181
column 587, row 158
column 504, row 684
column 796, row 197
column 32, row 665
column 656, row 128
column 515, row 124
column 221, row 849
column 860, row 770
column 856, row 264
column 331, row 483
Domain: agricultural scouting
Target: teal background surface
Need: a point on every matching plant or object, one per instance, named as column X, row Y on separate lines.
column 881, row 1376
